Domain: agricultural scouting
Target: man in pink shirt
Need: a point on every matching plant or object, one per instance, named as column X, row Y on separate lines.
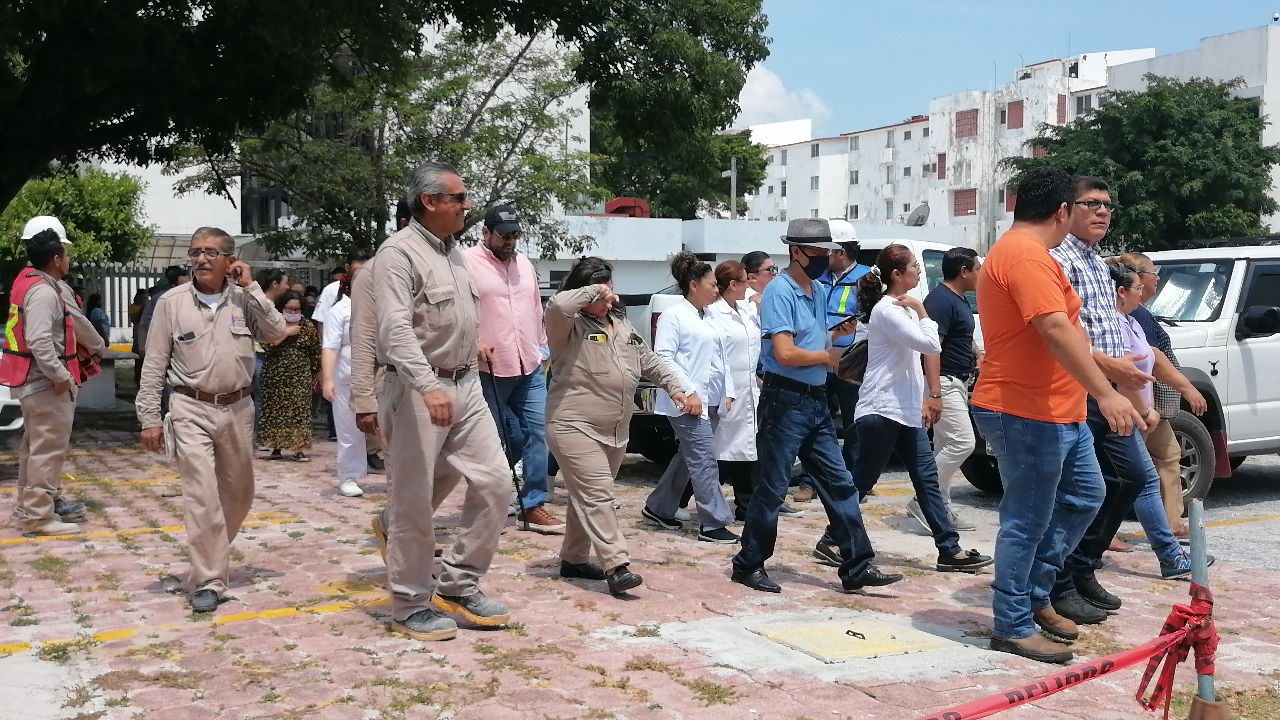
column 511, row 351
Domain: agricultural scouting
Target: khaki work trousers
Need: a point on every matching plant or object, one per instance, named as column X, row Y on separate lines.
column 1167, row 456
column 215, row 462
column 426, row 463
column 588, row 468
column 46, row 433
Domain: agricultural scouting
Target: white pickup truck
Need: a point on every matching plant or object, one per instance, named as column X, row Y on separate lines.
column 1221, row 307
column 10, row 411
column 651, row 434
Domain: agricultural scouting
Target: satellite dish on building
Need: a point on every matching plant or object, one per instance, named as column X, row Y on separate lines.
column 918, row 217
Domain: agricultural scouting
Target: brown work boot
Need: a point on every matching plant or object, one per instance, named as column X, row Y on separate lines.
column 1058, row 628
column 541, row 521
column 803, row 495
column 1034, row 647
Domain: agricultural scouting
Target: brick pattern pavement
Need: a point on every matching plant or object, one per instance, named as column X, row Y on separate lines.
column 305, row 634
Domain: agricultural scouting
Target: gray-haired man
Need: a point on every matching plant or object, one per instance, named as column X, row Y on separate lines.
column 434, row 417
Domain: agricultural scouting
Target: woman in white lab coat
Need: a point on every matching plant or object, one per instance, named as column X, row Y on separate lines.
column 736, row 433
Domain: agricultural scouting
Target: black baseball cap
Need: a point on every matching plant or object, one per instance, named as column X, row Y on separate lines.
column 502, row 219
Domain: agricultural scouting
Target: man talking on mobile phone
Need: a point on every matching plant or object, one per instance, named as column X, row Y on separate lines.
column 201, row 344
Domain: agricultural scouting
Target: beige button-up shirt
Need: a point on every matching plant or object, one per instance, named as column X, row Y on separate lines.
column 425, row 305
column 43, row 327
column 365, row 370
column 595, row 369
column 189, row 344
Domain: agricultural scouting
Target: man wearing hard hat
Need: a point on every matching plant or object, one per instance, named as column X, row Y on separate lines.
column 45, row 341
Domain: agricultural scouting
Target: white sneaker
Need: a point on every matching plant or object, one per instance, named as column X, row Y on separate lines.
column 519, row 469
column 513, row 509
column 56, row 527
column 349, row 488
column 683, row 515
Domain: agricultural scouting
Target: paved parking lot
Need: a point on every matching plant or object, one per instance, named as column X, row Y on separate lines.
column 93, row 627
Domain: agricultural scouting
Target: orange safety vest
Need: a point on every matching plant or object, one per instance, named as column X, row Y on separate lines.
column 15, row 356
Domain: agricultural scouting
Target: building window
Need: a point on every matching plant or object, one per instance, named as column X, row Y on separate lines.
column 1010, row 198
column 772, row 158
column 853, row 144
column 906, row 171
column 942, row 166
column 1015, row 115
column 924, row 133
column 1039, row 152
column 853, row 212
column 757, row 192
column 1002, row 116
column 813, row 150
column 782, row 216
column 782, row 188
column 906, row 134
column 1000, row 195
column 888, row 209
column 813, row 213
column 966, row 123
column 889, row 174
column 813, row 182
column 783, row 153
column 1084, row 103
column 964, row 203
column 1073, row 70
column 853, row 177
column 1062, row 109
column 906, row 207
column 888, row 139
column 770, row 189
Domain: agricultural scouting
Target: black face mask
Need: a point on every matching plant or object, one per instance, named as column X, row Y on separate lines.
column 817, row 266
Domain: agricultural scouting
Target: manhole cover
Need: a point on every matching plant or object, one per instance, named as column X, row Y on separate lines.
column 840, row 640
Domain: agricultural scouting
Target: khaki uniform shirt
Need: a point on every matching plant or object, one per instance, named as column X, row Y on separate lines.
column 189, row 344
column 595, row 369
column 365, row 370
column 425, row 307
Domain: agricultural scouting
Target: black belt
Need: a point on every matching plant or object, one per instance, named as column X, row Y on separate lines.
column 230, row 398
column 959, row 376
column 455, row 374
column 776, row 381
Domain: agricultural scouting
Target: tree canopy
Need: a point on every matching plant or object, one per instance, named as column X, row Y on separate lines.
column 1183, row 158
column 133, row 80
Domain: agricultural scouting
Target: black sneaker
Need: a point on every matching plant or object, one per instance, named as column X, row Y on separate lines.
column 623, row 580
column 871, row 577
column 582, row 571
column 375, row 462
column 664, row 523
column 788, row 511
column 827, row 555
column 971, row 562
column 1079, row 611
column 1090, row 589
column 720, row 536
column 69, row 510
column 204, row 601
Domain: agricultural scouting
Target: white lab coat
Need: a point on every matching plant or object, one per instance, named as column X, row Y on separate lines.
column 736, row 434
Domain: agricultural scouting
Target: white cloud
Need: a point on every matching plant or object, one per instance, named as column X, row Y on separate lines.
column 765, row 99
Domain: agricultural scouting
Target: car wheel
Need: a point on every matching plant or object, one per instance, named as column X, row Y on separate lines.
column 982, row 472
column 1199, row 459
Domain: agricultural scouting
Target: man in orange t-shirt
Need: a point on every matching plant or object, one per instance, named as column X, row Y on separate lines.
column 1029, row 405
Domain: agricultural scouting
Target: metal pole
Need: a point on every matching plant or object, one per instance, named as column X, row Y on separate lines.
column 1200, row 576
column 733, row 188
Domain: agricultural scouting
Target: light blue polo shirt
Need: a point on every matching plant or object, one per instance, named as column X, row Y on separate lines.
column 785, row 307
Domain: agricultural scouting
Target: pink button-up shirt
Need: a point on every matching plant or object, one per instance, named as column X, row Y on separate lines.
column 510, row 311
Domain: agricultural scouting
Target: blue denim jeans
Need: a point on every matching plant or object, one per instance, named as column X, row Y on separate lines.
column 524, row 398
column 879, row 437
column 794, row 425
column 1155, row 523
column 1127, row 470
column 843, row 395
column 1052, row 491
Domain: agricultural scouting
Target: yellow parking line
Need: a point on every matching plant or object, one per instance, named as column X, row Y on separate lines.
column 136, row 531
column 1242, row 521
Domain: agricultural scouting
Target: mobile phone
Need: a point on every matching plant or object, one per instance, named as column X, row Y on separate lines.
column 843, row 319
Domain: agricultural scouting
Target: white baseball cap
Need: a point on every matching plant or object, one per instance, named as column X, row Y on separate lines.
column 40, row 223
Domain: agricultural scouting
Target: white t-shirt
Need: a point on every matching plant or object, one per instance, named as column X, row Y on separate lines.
column 327, row 297
column 893, row 386
column 213, row 301
column 337, row 336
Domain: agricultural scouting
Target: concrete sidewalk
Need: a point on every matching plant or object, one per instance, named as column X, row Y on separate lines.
column 96, row 627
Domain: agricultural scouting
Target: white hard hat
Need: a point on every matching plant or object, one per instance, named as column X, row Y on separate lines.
column 842, row 231
column 40, row 223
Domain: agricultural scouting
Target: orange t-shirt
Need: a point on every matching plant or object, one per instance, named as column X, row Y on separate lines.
column 1021, row 281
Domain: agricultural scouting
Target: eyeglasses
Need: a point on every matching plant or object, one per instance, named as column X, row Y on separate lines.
column 1144, row 272
column 772, row 270
column 460, row 198
column 514, row 235
column 211, row 253
column 1095, row 204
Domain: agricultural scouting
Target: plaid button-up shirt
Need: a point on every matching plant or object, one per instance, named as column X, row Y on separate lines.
column 1091, row 279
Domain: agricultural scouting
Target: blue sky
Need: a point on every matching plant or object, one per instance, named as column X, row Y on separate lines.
column 854, row 64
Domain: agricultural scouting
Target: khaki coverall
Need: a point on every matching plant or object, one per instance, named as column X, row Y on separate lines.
column 595, row 369
column 192, row 346
column 46, row 415
column 426, row 311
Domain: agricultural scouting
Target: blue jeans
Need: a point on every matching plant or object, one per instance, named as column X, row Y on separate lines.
column 524, row 397
column 793, row 425
column 843, row 395
column 881, row 437
column 1052, row 490
column 1127, row 469
column 1155, row 523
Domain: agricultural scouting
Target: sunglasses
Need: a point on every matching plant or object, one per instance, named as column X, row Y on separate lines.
column 460, row 198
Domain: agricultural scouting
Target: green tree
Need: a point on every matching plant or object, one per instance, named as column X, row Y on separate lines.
column 101, row 211
column 1183, row 159
column 495, row 109
column 134, row 80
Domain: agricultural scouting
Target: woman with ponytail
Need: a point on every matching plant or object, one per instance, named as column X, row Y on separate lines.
column 891, row 403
